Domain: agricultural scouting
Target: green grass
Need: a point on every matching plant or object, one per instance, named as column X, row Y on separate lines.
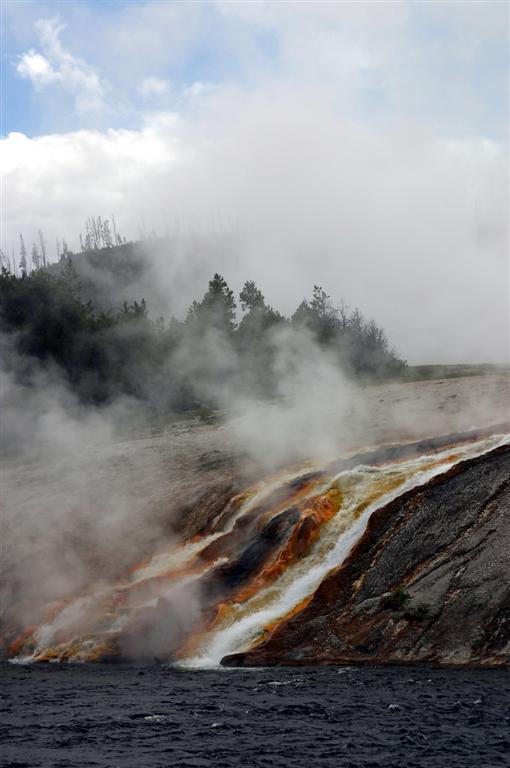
column 430, row 372
column 394, row 601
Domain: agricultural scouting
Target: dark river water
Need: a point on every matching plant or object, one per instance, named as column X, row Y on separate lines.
column 127, row 716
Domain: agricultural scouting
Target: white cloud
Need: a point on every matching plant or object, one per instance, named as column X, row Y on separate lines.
column 284, row 139
column 153, row 86
column 35, row 67
column 428, row 61
column 411, row 228
column 57, row 65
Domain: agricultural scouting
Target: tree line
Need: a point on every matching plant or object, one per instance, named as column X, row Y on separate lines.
column 179, row 363
column 100, row 234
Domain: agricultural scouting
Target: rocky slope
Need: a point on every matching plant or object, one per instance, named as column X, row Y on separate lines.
column 428, row 582
column 81, row 516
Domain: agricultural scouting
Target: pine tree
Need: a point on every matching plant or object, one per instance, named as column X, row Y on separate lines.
column 36, row 257
column 217, row 308
column 251, row 297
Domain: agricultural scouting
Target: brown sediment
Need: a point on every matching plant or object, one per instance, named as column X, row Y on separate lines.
column 445, row 545
column 277, row 501
column 217, row 522
column 385, row 485
column 305, row 532
column 388, row 453
column 264, row 541
column 295, row 545
column 273, row 625
column 23, row 642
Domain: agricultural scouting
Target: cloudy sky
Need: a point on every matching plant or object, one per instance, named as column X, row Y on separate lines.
column 359, row 145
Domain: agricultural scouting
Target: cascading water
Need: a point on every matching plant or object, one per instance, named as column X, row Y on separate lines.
column 244, row 624
column 80, row 630
column 260, row 560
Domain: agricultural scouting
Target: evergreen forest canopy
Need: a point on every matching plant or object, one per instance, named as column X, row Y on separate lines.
column 177, row 364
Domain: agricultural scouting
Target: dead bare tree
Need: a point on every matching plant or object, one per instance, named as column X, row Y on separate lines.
column 42, row 245
column 23, row 263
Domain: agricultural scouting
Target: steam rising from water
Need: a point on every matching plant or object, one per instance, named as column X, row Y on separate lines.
column 163, row 604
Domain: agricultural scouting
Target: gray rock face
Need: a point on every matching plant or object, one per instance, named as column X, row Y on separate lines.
column 429, row 581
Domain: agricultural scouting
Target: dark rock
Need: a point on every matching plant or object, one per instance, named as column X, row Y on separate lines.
column 445, row 545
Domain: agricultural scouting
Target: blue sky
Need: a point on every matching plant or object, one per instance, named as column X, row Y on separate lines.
column 448, row 66
column 103, row 36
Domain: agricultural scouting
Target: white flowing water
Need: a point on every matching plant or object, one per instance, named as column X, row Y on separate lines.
column 83, row 628
column 243, row 625
column 85, row 610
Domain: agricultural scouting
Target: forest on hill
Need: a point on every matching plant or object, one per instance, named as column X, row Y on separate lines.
column 175, row 364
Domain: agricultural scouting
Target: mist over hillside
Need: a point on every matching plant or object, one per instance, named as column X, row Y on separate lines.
column 107, row 325
column 164, row 270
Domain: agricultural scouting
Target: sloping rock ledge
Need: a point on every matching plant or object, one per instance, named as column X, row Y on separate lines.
column 429, row 581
